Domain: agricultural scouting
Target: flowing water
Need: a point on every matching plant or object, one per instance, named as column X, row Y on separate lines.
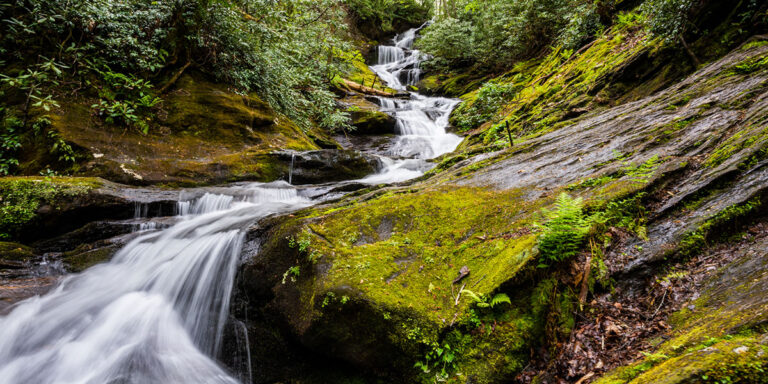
column 421, row 120
column 155, row 313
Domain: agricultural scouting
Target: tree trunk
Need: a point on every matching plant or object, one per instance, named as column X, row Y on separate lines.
column 690, row 53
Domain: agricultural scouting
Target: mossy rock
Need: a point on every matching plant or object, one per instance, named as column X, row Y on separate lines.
column 373, row 123
column 14, row 254
column 375, row 278
column 205, row 134
column 87, row 256
column 452, row 85
column 24, row 200
column 35, row 208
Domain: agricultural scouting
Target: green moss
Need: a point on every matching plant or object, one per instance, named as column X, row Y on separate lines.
column 452, row 84
column 15, row 252
column 84, row 257
column 392, row 248
column 751, row 136
column 494, row 351
column 732, row 359
column 371, row 121
column 749, row 66
column 234, row 132
column 559, row 87
column 360, row 73
column 20, row 198
column 695, row 241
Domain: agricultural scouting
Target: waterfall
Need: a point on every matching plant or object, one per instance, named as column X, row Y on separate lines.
column 290, row 170
column 421, row 121
column 155, row 313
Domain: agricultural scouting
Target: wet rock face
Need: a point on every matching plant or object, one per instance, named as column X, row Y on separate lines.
column 367, row 118
column 328, row 165
column 322, row 338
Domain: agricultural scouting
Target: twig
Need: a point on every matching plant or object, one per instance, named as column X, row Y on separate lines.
column 458, row 296
column 661, row 303
column 585, row 378
column 174, row 78
column 455, row 315
column 478, row 281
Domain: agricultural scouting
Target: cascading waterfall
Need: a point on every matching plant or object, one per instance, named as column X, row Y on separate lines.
column 421, row 120
column 155, row 313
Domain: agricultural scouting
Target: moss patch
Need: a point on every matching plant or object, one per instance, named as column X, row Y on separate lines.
column 15, row 252
column 85, row 257
column 205, row 134
column 393, row 248
column 20, row 198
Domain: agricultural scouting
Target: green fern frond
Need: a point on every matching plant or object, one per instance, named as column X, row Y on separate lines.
column 500, row 298
column 477, row 298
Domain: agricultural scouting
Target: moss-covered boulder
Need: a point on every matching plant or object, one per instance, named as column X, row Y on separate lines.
column 372, row 284
column 450, row 84
column 204, row 134
column 373, row 123
column 367, row 117
column 328, row 165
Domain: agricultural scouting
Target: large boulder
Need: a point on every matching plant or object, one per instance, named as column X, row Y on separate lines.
column 367, row 117
column 205, row 134
column 327, row 165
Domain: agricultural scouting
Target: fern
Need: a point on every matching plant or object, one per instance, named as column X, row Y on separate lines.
column 477, row 298
column 565, row 230
column 500, row 298
column 483, row 302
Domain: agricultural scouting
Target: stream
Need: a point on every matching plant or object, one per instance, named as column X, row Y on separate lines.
column 156, row 312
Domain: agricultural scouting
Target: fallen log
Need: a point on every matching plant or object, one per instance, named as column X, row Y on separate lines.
column 366, row 90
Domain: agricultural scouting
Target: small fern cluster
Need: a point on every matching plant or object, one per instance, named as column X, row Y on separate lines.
column 485, row 301
column 565, row 230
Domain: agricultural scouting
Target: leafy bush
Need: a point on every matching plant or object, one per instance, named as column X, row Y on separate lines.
column 285, row 51
column 20, row 198
column 490, row 97
column 384, row 14
column 497, row 33
column 667, row 18
column 10, row 142
column 126, row 100
column 441, row 359
column 583, row 24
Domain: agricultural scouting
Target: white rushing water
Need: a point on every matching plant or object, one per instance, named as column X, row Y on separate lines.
column 421, row 120
column 155, row 313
